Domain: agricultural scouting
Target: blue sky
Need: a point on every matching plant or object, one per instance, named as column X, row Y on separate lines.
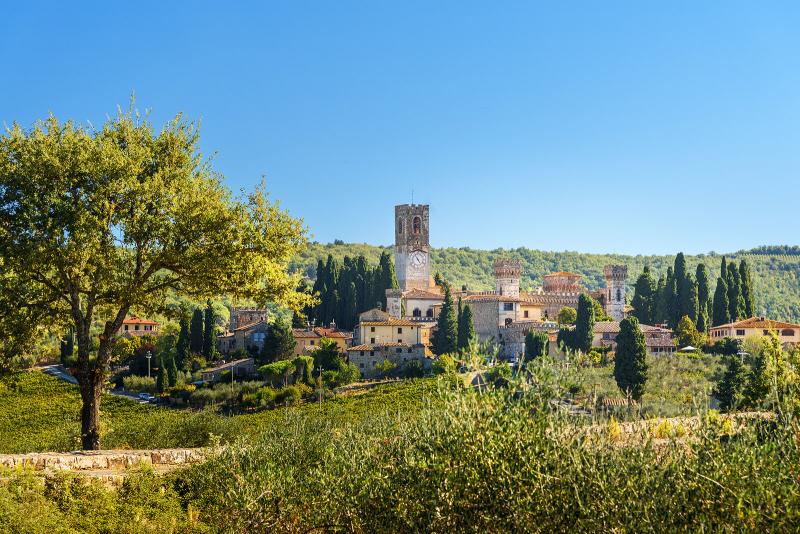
column 602, row 126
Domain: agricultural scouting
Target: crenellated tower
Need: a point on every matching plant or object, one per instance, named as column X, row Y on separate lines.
column 507, row 273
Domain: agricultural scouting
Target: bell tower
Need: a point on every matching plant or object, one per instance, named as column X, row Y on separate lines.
column 411, row 246
column 616, row 276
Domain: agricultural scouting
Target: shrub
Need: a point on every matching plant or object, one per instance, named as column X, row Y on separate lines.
column 136, row 384
column 289, row 395
column 443, row 364
column 413, row 369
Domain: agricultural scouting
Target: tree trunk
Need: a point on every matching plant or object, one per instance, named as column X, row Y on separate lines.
column 91, row 389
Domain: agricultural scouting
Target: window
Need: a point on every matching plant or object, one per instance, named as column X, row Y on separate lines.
column 399, row 340
column 371, row 328
column 740, row 332
column 619, row 295
column 312, row 341
column 766, row 332
column 361, row 353
column 399, row 350
column 417, row 225
column 409, row 350
column 361, row 364
column 429, row 313
column 508, row 306
column 787, row 332
column 136, row 327
column 606, row 335
column 526, row 314
column 372, row 353
column 399, row 330
column 416, row 312
column 372, row 340
column 400, row 225
column 126, row 328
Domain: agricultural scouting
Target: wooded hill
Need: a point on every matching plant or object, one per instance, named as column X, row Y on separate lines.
column 775, row 269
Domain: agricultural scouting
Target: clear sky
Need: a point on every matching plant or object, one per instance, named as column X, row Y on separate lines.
column 631, row 127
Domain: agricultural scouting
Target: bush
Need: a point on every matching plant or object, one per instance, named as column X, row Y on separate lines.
column 443, row 364
column 289, row 395
column 138, row 384
column 413, row 369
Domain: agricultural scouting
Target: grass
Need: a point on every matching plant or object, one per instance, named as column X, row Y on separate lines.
column 676, row 384
column 428, row 457
column 41, row 413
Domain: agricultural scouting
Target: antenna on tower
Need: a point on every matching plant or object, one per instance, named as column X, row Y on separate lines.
column 412, row 196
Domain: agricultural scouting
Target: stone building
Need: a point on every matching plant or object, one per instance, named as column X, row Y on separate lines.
column 245, row 316
column 657, row 339
column 308, row 339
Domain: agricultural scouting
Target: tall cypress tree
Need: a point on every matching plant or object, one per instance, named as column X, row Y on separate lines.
column 387, row 278
column 172, row 369
column 630, row 360
column 746, row 281
column 196, row 332
column 349, row 311
column 162, row 379
column 703, row 298
column 721, row 311
column 182, row 347
column 688, row 299
column 659, row 306
column 670, row 298
column 466, row 330
column 537, row 345
column 735, row 300
column 644, row 300
column 209, row 332
column 584, row 324
column 445, row 339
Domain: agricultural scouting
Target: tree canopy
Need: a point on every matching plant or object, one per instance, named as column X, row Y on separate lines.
column 95, row 224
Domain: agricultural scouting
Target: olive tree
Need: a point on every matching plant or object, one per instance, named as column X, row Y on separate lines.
column 97, row 223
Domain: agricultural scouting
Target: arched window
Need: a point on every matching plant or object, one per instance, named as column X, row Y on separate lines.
column 429, row 313
column 417, row 224
column 417, row 312
column 619, row 295
column 400, row 225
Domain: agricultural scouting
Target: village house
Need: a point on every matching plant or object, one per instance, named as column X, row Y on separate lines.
column 248, row 330
column 788, row 333
column 308, row 339
column 380, row 337
column 657, row 339
column 134, row 326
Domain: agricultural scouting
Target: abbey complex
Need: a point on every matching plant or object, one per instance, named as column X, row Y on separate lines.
column 504, row 315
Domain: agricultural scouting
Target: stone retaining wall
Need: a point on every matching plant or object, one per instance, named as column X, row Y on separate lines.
column 108, row 460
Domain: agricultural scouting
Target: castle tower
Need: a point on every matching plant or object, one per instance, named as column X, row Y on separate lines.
column 411, row 246
column 616, row 276
column 506, row 275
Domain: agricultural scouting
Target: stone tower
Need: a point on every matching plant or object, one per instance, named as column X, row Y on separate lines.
column 411, row 246
column 616, row 276
column 506, row 275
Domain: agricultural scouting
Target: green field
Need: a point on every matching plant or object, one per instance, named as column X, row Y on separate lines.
column 41, row 413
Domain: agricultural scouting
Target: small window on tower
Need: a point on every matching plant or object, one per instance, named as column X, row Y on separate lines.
column 619, row 295
column 417, row 224
column 400, row 225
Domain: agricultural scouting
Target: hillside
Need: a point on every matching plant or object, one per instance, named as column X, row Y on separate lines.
column 776, row 270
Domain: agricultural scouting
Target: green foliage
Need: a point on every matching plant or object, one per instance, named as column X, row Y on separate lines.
column 443, row 364
column 304, row 369
column 445, row 339
column 704, row 311
column 139, row 384
column 279, row 342
column 730, row 389
column 385, row 368
column 644, row 298
column 721, row 312
column 196, row 335
column 630, row 361
column 209, row 332
column 162, row 378
column 726, row 346
column 466, row 327
column 537, row 345
column 746, row 279
column 567, row 315
column 327, row 355
column 584, row 324
column 182, row 352
column 687, row 334
column 278, row 373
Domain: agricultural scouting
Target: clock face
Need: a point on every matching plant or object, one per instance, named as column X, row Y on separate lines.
column 417, row 260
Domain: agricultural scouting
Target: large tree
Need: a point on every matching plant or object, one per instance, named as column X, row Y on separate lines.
column 279, row 342
column 746, row 281
column 644, row 298
column 584, row 324
column 445, row 338
column 466, row 328
column 721, row 312
column 630, row 360
column 95, row 224
column 703, row 298
column 196, row 332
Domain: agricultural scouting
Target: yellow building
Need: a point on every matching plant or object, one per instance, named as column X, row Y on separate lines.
column 376, row 327
column 308, row 339
column 788, row 333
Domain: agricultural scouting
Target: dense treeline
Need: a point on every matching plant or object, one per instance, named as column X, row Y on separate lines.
column 775, row 249
column 680, row 294
column 349, row 288
column 776, row 278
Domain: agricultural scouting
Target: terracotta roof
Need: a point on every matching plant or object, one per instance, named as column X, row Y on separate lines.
column 495, row 297
column 318, row 332
column 422, row 294
column 393, row 322
column 758, row 322
column 611, row 327
column 136, row 320
column 562, row 273
column 248, row 326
